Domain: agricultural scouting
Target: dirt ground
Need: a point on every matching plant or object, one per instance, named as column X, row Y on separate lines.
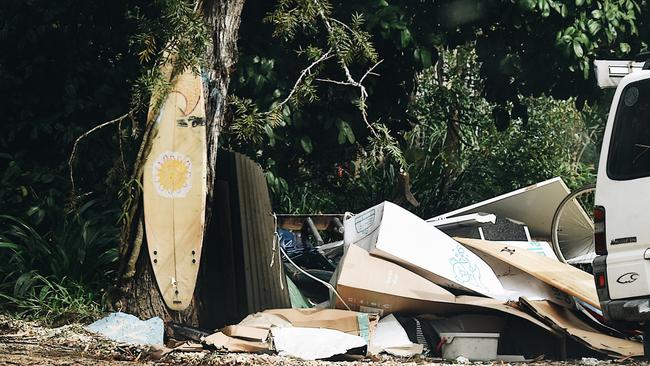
column 27, row 343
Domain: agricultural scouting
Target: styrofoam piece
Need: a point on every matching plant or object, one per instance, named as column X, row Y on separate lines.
column 391, row 338
column 390, row 333
column 313, row 343
column 473, row 346
column 393, row 233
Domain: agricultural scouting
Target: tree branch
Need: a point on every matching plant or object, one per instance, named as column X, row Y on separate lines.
column 305, row 72
column 84, row 135
column 335, row 82
column 369, row 72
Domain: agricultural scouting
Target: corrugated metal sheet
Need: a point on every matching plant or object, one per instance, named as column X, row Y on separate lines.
column 239, row 276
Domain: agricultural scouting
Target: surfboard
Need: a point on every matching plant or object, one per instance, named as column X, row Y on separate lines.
column 174, row 191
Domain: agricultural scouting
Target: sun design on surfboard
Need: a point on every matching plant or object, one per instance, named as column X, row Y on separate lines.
column 172, row 173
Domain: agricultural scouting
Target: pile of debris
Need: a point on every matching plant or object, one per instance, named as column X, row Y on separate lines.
column 484, row 274
column 479, row 283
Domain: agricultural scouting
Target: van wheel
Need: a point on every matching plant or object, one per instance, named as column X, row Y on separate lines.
column 646, row 340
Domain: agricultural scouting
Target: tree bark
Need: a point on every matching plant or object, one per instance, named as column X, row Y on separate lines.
column 223, row 18
column 141, row 294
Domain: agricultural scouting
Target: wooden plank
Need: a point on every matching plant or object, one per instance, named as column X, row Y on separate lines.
column 295, row 222
column 174, row 185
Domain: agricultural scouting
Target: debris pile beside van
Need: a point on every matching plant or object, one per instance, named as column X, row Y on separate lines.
column 482, row 274
column 480, row 283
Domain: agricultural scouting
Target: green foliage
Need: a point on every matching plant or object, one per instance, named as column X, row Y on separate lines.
column 522, row 50
column 57, row 260
column 168, row 31
column 596, row 25
column 454, row 153
column 72, row 66
column 305, row 111
column 248, row 123
column 456, row 156
column 50, row 301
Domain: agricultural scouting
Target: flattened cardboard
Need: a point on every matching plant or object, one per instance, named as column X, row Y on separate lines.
column 567, row 322
column 522, row 283
column 562, row 276
column 342, row 320
column 246, row 333
column 372, row 284
column 264, row 321
column 393, row 233
column 230, row 344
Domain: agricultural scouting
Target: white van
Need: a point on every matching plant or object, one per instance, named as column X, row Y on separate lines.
column 622, row 213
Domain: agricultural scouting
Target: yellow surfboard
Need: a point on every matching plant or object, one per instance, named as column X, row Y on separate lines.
column 174, row 186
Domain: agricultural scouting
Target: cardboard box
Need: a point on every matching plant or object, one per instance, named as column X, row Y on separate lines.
column 371, row 284
column 393, row 233
column 342, row 320
column 374, row 285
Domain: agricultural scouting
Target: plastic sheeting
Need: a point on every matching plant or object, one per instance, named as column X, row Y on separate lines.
column 126, row 328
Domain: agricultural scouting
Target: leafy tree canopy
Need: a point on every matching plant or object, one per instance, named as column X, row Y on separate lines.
column 523, row 48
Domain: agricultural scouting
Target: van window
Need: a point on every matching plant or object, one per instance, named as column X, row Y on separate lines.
column 629, row 149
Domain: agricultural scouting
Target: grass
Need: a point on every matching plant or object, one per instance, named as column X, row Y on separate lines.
column 51, row 302
column 55, row 268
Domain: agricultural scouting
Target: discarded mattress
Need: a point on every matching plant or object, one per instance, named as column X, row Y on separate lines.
column 393, row 233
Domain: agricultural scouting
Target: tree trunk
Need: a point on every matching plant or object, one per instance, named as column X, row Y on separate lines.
column 141, row 294
column 223, row 17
